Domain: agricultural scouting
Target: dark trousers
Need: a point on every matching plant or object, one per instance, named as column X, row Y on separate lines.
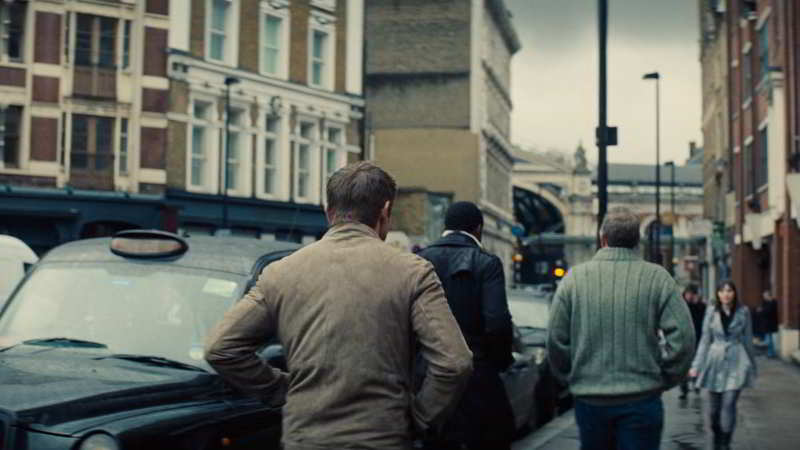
column 723, row 411
column 630, row 426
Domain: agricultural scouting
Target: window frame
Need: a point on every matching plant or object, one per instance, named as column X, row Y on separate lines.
column 322, row 23
column 312, row 142
column 5, row 13
column 4, row 112
column 276, row 137
column 243, row 151
column 284, row 35
column 206, row 123
column 230, row 46
column 124, row 133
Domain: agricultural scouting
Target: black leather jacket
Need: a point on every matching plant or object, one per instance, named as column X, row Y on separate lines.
column 474, row 283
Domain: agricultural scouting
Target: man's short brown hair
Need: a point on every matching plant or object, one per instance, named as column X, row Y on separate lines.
column 357, row 192
column 621, row 228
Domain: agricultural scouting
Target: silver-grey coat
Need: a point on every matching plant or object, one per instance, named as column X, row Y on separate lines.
column 726, row 362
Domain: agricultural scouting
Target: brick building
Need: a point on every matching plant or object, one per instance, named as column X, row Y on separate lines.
column 82, row 89
column 718, row 202
column 296, row 111
column 762, row 94
column 438, row 110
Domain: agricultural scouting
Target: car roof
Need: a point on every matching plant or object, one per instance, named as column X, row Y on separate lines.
column 13, row 248
column 229, row 254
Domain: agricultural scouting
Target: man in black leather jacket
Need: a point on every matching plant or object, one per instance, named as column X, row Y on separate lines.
column 474, row 283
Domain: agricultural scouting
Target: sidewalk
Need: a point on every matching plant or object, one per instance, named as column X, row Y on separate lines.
column 768, row 417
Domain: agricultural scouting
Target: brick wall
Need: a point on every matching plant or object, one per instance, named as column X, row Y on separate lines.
column 197, row 27
column 178, row 96
column 176, row 154
column 417, row 36
column 153, row 146
column 155, row 52
column 47, row 46
column 158, row 7
column 419, row 101
column 11, row 76
column 298, row 53
column 340, row 71
column 45, row 89
column 249, row 18
column 409, row 212
column 44, row 139
column 27, row 180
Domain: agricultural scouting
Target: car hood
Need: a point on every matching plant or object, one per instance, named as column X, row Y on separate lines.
column 54, row 385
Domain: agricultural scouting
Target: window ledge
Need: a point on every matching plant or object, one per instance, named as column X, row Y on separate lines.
column 764, row 187
column 746, row 103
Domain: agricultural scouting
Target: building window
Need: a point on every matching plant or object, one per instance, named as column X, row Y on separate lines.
column 272, row 45
column 126, row 45
column 199, row 164
column 123, row 146
column 10, row 122
column 219, row 43
column 12, row 30
column 303, row 157
column 333, row 150
column 270, row 163
column 92, row 142
column 95, row 38
column 763, row 160
column 237, row 155
column 319, row 56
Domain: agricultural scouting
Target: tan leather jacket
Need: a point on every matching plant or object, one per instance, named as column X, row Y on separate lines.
column 349, row 310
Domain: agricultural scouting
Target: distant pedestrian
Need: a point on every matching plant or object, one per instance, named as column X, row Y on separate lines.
column 607, row 318
column 769, row 322
column 698, row 311
column 725, row 361
column 474, row 282
column 348, row 310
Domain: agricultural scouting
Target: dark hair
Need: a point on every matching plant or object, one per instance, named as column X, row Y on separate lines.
column 357, row 192
column 621, row 228
column 730, row 284
column 463, row 216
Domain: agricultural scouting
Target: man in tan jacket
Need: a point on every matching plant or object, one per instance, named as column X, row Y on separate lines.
column 349, row 311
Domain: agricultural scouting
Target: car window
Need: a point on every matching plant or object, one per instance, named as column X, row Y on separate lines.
column 147, row 309
column 529, row 312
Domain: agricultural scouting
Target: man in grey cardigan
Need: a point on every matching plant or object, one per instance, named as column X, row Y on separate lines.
column 606, row 319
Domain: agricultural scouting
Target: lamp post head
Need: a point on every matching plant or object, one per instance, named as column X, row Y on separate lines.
column 651, row 76
column 670, row 164
column 231, row 80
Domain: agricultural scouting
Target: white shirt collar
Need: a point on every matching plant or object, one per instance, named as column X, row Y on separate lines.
column 449, row 232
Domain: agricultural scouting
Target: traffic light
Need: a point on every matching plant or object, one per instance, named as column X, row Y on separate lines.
column 517, row 259
column 559, row 270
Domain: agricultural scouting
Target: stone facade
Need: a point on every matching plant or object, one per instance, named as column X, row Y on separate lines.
column 438, row 106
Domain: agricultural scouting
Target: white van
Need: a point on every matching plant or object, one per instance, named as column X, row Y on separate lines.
column 15, row 259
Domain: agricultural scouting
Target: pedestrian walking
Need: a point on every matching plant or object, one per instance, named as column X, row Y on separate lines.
column 607, row 318
column 474, row 283
column 348, row 310
column 698, row 311
column 725, row 361
column 769, row 322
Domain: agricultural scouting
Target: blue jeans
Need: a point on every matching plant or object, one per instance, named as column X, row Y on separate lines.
column 630, row 426
column 770, row 340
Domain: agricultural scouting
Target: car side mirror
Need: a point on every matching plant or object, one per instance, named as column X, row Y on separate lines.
column 275, row 356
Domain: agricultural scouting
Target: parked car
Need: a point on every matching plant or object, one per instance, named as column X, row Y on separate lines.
column 15, row 260
column 102, row 346
column 531, row 314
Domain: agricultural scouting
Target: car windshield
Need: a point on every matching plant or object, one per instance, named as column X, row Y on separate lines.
column 530, row 312
column 138, row 309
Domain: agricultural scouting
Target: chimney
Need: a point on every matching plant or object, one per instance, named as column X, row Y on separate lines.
column 692, row 149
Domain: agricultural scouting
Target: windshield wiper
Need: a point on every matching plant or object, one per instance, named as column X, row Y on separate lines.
column 155, row 361
column 64, row 342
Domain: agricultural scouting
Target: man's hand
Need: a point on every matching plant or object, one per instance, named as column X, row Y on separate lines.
column 692, row 373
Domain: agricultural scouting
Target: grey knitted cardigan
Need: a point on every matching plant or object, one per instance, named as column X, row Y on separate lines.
column 606, row 320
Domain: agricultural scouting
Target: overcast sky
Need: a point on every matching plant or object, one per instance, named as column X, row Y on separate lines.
column 555, row 76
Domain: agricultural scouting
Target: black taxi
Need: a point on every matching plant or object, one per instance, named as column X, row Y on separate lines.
column 101, row 346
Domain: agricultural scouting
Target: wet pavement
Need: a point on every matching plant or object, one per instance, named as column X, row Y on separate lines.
column 768, row 419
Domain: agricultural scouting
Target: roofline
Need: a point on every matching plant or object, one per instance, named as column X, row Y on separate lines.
column 503, row 18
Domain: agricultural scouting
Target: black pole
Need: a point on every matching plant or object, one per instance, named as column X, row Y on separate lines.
column 602, row 167
column 674, row 222
column 659, row 258
column 228, row 82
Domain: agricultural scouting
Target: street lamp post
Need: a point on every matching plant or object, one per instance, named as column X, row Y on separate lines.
column 671, row 165
column 657, row 254
column 229, row 81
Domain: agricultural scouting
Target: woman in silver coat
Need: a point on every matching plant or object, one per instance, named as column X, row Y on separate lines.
column 725, row 361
